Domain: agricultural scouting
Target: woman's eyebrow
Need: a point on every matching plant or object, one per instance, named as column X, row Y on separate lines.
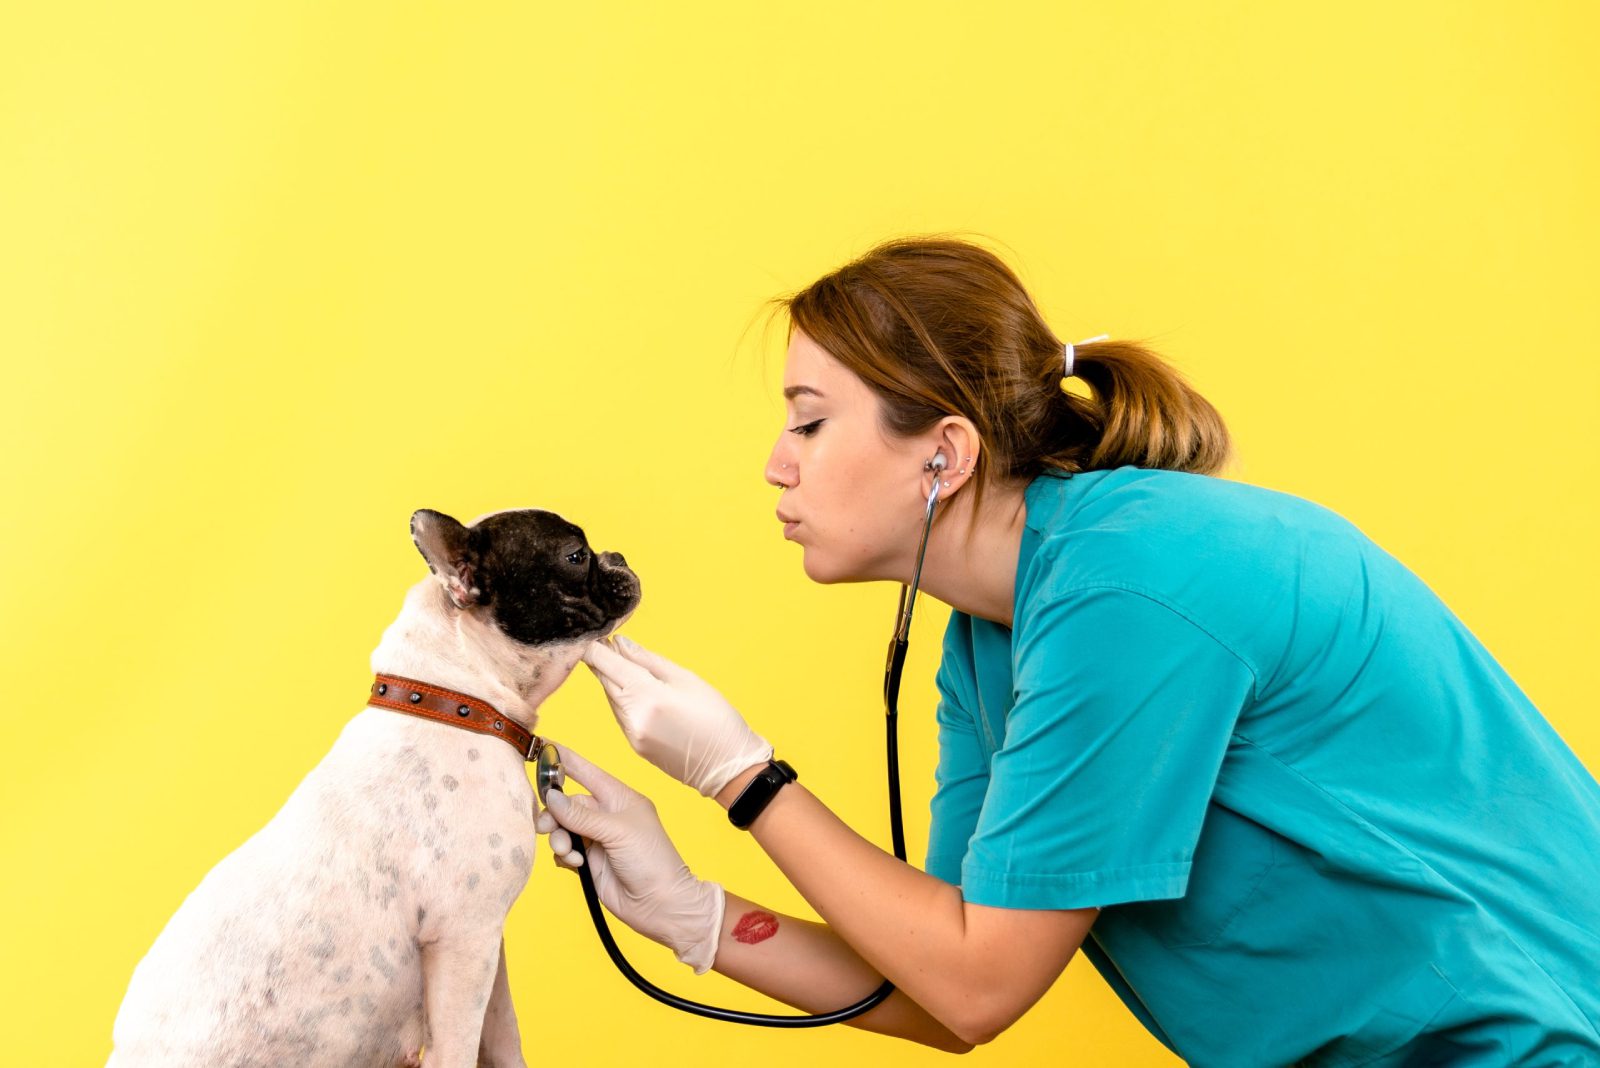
column 794, row 391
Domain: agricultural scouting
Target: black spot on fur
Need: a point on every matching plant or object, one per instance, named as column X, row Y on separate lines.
column 324, row 949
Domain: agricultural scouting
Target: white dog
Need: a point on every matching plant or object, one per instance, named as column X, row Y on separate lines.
column 364, row 921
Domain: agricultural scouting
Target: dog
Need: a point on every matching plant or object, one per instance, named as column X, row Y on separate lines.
column 364, row 921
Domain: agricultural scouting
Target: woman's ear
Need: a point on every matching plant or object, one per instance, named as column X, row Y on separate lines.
column 957, row 439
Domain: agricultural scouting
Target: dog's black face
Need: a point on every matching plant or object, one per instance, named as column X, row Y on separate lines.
column 530, row 570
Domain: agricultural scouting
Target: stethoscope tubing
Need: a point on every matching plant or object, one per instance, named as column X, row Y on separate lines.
column 891, row 699
column 714, row 1012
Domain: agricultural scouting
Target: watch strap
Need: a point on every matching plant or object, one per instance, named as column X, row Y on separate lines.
column 759, row 791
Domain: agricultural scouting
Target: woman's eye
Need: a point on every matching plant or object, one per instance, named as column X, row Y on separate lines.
column 808, row 429
column 578, row 557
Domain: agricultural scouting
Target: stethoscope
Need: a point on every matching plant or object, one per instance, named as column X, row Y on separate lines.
column 549, row 776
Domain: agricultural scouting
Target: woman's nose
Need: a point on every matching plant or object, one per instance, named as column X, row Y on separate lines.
column 780, row 469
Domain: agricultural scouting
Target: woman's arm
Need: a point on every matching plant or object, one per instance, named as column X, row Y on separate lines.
column 804, row 964
column 973, row 968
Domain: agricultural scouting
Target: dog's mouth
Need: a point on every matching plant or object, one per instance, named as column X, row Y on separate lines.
column 613, row 595
column 613, row 587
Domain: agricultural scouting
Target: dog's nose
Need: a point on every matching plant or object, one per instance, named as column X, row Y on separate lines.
column 617, row 559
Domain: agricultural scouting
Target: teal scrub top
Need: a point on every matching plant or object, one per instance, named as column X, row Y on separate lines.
column 1323, row 825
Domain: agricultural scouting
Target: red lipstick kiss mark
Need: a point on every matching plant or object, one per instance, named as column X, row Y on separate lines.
column 755, row 927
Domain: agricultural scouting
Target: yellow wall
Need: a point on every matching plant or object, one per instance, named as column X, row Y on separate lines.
column 275, row 275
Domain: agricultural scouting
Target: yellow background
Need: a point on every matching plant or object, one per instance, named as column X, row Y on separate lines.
column 277, row 274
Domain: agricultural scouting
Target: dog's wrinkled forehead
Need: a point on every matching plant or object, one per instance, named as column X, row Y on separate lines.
column 519, row 547
column 527, row 533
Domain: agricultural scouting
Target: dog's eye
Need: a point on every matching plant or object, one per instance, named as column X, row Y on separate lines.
column 579, row 557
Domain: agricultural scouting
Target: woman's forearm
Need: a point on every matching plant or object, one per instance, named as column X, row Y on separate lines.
column 909, row 926
column 804, row 964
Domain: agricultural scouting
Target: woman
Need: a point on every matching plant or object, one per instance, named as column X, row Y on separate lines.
column 1289, row 806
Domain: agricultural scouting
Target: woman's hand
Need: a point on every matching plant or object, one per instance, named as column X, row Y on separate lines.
column 673, row 718
column 639, row 875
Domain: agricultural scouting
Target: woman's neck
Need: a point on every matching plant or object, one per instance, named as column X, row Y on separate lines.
column 977, row 576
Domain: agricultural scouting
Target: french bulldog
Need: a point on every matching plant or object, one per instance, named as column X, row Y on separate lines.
column 362, row 925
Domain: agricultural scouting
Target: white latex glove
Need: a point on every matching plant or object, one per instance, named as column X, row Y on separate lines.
column 638, row 874
column 673, row 718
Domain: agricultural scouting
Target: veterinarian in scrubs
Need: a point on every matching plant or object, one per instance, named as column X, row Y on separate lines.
column 1209, row 733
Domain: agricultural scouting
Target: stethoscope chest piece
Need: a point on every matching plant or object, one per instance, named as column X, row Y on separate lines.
column 547, row 773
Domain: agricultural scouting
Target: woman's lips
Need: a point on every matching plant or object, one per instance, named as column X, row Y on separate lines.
column 788, row 528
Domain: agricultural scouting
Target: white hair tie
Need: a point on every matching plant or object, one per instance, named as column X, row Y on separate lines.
column 1068, row 354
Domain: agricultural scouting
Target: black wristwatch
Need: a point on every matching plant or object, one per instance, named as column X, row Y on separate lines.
column 754, row 797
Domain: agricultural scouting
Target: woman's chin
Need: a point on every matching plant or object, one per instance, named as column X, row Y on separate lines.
column 815, row 569
column 820, row 569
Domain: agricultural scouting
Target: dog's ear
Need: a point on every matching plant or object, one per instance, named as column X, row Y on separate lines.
column 448, row 548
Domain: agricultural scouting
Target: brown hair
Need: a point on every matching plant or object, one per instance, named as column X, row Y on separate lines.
column 936, row 326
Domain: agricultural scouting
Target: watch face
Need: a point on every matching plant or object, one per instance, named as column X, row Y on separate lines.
column 754, row 797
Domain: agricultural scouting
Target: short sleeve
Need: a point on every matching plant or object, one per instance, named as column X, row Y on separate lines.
column 1123, row 711
column 962, row 773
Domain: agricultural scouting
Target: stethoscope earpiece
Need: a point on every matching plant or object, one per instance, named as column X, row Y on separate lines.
column 936, row 466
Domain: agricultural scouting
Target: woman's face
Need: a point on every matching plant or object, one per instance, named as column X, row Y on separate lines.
column 856, row 499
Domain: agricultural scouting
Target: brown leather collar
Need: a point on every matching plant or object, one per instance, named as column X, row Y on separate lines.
column 457, row 709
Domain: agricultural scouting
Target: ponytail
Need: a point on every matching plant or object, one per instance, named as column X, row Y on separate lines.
column 1143, row 413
